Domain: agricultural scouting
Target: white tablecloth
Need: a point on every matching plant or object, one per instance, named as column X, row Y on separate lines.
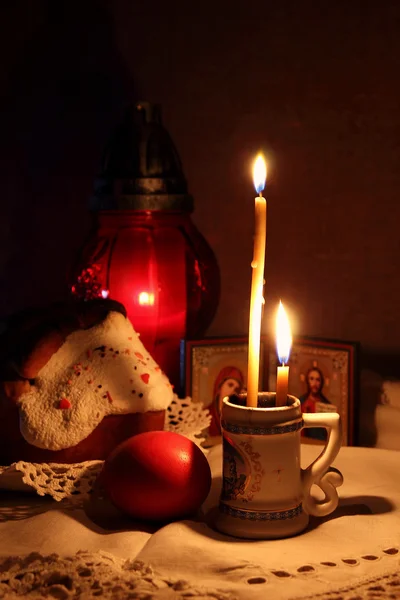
column 354, row 549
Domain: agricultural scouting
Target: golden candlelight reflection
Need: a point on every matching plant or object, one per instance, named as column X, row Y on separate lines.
column 146, row 299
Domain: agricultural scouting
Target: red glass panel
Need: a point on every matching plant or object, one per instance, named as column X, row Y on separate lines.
column 161, row 268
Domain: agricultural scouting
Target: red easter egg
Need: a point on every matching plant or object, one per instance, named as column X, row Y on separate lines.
column 158, row 476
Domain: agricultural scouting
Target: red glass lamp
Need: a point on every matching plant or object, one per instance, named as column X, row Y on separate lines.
column 144, row 249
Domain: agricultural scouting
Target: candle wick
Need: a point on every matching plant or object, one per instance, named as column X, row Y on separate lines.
column 260, row 194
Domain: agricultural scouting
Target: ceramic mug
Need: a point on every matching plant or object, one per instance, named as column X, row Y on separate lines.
column 265, row 493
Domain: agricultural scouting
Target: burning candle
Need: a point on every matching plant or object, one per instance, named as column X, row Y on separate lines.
column 146, row 299
column 283, row 345
column 146, row 308
column 257, row 281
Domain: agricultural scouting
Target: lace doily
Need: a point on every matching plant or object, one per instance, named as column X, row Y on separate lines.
column 385, row 587
column 91, row 575
column 75, row 481
column 187, row 418
column 100, row 574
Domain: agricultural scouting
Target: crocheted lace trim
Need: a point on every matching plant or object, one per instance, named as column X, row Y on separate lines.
column 382, row 586
column 187, row 418
column 100, row 574
column 92, row 575
column 74, row 482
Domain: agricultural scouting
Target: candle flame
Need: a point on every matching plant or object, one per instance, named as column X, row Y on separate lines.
column 146, row 299
column 283, row 335
column 259, row 173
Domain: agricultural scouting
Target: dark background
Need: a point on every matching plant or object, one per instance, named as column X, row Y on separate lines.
column 314, row 84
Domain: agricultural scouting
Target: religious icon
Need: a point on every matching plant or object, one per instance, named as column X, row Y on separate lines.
column 215, row 368
column 229, row 380
column 313, row 398
column 323, row 375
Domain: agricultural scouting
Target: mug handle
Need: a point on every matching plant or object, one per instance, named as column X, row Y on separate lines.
column 320, row 472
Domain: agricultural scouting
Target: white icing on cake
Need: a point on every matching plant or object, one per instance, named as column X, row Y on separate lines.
column 99, row 371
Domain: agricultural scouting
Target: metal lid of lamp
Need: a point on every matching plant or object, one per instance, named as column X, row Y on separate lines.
column 144, row 249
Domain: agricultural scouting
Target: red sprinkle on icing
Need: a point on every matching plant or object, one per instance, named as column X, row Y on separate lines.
column 64, row 403
column 109, row 397
column 145, row 377
column 69, row 381
column 127, row 351
column 129, row 338
column 139, row 355
column 157, row 369
column 90, row 381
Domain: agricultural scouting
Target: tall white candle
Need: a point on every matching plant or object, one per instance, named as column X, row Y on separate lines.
column 257, row 282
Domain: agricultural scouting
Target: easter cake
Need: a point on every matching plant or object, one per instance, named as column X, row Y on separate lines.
column 75, row 381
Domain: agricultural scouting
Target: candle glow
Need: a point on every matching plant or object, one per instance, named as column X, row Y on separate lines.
column 283, row 345
column 257, row 282
column 259, row 173
column 146, row 299
column 283, row 335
